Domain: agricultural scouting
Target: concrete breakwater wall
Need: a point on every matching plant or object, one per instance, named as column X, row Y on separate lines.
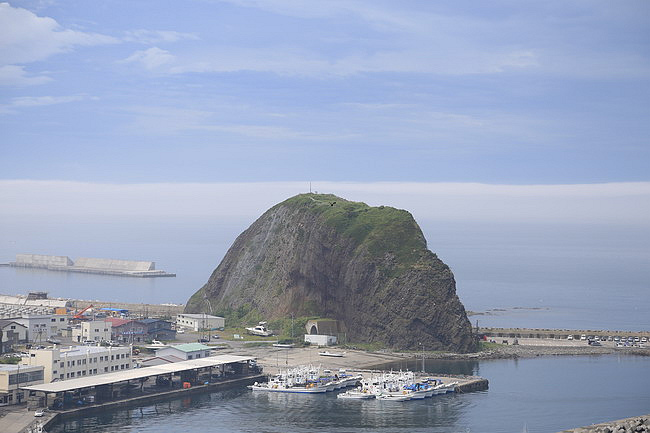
column 127, row 268
column 558, row 334
column 149, row 310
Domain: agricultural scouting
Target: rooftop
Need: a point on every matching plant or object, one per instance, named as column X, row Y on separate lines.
column 138, row 373
column 200, row 316
column 189, row 347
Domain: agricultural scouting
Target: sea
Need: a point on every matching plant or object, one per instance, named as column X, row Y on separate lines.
column 512, row 275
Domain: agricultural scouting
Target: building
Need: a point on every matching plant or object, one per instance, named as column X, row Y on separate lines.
column 127, row 330
column 201, row 321
column 157, row 329
column 11, row 333
column 185, row 351
column 42, row 327
column 320, row 340
column 79, row 361
column 13, row 377
column 95, row 330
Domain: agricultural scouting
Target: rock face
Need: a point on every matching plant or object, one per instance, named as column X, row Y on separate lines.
column 367, row 267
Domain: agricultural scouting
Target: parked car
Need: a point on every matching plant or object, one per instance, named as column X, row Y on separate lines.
column 53, row 340
column 39, row 412
column 570, row 337
column 644, row 340
column 583, row 337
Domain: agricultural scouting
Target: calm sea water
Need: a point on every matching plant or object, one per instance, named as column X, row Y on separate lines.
column 540, row 395
column 580, row 277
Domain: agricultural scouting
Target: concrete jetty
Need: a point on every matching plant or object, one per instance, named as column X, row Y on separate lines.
column 124, row 268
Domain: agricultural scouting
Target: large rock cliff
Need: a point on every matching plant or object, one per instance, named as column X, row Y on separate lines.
column 368, row 267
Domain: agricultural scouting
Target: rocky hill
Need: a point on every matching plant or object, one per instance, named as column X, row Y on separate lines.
column 368, row 267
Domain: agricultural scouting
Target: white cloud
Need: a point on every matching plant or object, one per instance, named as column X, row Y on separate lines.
column 35, row 101
column 156, row 36
column 14, row 75
column 610, row 203
column 151, row 58
column 26, row 37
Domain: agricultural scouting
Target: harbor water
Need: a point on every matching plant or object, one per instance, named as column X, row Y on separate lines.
column 544, row 394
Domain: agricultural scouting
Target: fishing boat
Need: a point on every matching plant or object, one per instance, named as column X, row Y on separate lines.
column 356, row 394
column 260, row 330
column 334, row 354
column 394, row 397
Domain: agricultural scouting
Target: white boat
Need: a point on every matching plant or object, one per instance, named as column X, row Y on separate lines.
column 356, row 394
column 284, row 345
column 269, row 387
column 155, row 344
column 394, row 397
column 260, row 330
column 335, row 354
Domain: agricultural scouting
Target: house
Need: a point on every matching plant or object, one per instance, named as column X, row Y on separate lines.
column 185, row 351
column 94, row 330
column 41, row 327
column 11, row 333
column 157, row 329
column 13, row 377
column 127, row 330
column 201, row 321
column 79, row 361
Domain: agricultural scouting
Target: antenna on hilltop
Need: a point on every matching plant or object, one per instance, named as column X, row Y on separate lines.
column 309, row 187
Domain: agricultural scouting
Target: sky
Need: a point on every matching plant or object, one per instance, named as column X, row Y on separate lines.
column 218, row 91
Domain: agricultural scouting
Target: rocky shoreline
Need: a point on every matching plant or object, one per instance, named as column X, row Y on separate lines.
column 635, row 424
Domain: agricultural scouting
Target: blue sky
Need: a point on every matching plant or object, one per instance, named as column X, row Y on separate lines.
column 505, row 92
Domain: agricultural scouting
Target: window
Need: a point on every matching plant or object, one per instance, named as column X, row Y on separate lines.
column 61, row 364
column 61, row 377
column 53, row 320
column 198, row 355
column 105, row 369
column 72, row 363
column 13, row 326
column 96, row 330
column 62, row 319
column 189, row 356
column 54, row 372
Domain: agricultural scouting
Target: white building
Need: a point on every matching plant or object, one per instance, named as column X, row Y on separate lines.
column 95, row 330
column 13, row 377
column 79, row 361
column 320, row 340
column 185, row 351
column 42, row 327
column 200, row 321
